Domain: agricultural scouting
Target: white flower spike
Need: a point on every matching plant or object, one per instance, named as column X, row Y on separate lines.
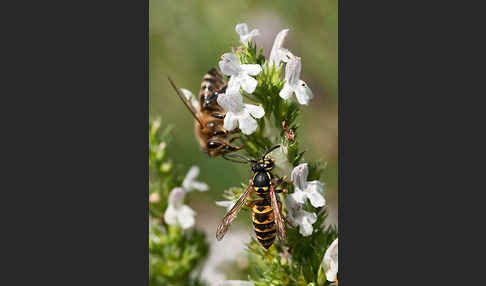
column 240, row 74
column 177, row 213
column 303, row 189
column 293, row 83
column 278, row 53
column 245, row 36
column 301, row 218
column 239, row 113
column 189, row 96
column 226, row 204
column 330, row 262
column 235, row 283
column 190, row 182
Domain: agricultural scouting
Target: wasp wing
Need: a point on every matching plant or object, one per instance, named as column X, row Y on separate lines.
column 276, row 214
column 185, row 101
column 231, row 215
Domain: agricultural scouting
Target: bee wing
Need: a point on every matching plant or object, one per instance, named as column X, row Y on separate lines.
column 231, row 215
column 276, row 214
column 185, row 101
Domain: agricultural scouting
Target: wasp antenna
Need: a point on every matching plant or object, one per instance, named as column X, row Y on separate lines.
column 185, row 102
column 269, row 151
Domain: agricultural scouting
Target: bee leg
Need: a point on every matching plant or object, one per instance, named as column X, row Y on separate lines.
column 234, row 131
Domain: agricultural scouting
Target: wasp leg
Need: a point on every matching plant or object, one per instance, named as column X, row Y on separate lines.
column 278, row 181
column 250, row 204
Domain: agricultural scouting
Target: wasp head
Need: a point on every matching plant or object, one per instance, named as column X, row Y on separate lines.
column 263, row 165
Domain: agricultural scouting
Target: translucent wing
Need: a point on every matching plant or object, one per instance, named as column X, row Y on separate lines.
column 231, row 215
column 276, row 214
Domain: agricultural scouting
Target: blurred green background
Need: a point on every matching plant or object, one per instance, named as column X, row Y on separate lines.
column 187, row 38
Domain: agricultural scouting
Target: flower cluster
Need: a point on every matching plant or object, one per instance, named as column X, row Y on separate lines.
column 270, row 84
column 177, row 213
column 242, row 76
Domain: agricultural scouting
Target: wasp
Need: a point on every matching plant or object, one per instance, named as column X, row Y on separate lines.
column 209, row 116
column 265, row 211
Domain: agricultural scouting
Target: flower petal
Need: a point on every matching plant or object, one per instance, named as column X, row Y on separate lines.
column 200, row 186
column 303, row 93
column 286, row 91
column 185, row 217
column 299, row 176
column 305, row 220
column 241, row 29
column 275, row 56
column 191, row 175
column 292, row 70
column 252, row 69
column 316, row 199
column 298, row 197
column 189, row 96
column 230, row 121
column 247, row 124
column 330, row 261
column 176, row 197
column 170, row 215
column 226, row 204
column 248, row 83
column 255, row 110
column 229, row 64
column 231, row 102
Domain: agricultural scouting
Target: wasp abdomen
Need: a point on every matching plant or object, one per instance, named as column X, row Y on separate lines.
column 264, row 222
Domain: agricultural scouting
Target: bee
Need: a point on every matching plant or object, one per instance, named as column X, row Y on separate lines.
column 209, row 116
column 266, row 211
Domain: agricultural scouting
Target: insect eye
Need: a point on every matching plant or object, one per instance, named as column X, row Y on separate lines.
column 213, row 144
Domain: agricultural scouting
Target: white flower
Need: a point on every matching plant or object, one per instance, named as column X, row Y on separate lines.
column 282, row 164
column 293, row 83
column 226, row 204
column 239, row 113
column 190, row 182
column 235, row 283
column 278, row 53
column 298, row 217
column 303, row 189
column 245, row 36
column 189, row 96
column 177, row 213
column 240, row 74
column 330, row 261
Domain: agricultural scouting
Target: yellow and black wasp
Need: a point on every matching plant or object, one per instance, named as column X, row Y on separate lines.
column 266, row 211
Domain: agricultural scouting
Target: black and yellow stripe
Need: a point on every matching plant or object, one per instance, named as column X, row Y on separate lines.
column 264, row 222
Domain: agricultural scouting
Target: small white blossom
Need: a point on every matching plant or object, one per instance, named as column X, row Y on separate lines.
column 299, row 217
column 239, row 113
column 190, row 182
column 278, row 54
column 240, row 74
column 245, row 36
column 293, row 83
column 177, row 213
column 235, row 283
column 330, row 262
column 282, row 164
column 189, row 96
column 303, row 189
column 226, row 204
